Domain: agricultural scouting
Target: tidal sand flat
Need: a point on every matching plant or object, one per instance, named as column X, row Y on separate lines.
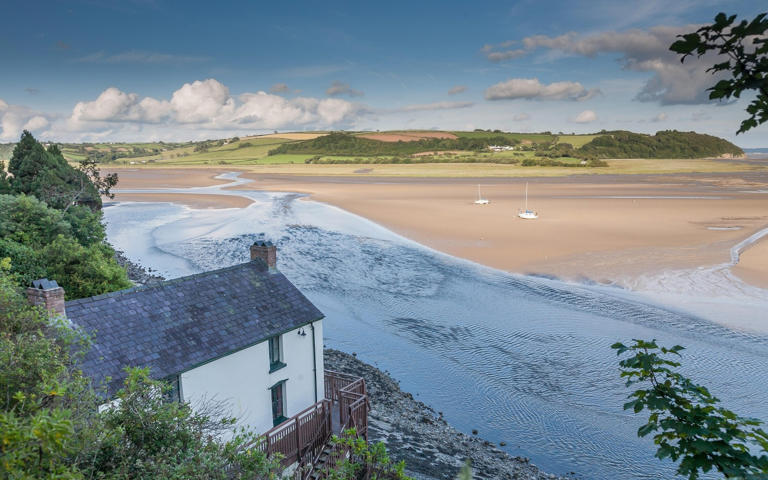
column 607, row 229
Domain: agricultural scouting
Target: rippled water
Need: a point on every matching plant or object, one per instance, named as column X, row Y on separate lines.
column 523, row 360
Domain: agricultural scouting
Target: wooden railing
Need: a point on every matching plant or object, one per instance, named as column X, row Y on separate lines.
column 352, row 398
column 303, row 438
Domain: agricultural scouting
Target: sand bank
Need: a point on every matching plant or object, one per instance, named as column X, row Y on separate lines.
column 135, row 178
column 604, row 229
column 191, row 200
column 753, row 264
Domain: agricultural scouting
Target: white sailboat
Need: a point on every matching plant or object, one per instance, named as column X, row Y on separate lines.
column 526, row 213
column 480, row 200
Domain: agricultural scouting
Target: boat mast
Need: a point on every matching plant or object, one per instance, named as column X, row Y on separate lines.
column 526, row 196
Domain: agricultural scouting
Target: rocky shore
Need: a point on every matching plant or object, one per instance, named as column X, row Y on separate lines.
column 138, row 274
column 414, row 432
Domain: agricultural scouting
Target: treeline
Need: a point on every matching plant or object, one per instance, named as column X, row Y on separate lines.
column 340, row 143
column 50, row 221
column 665, row 144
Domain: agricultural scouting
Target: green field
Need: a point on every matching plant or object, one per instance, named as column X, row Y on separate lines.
column 576, row 140
column 543, row 138
column 530, row 157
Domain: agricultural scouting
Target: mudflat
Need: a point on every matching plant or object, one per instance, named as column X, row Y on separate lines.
column 607, row 228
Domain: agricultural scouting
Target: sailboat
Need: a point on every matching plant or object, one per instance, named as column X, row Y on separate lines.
column 480, row 200
column 527, row 214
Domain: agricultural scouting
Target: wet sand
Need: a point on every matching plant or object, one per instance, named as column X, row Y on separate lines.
column 753, row 264
column 200, row 201
column 133, row 178
column 605, row 228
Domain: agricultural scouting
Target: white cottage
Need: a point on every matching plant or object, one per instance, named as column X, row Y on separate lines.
column 242, row 334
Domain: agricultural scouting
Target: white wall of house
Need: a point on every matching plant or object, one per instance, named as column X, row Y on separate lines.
column 243, row 380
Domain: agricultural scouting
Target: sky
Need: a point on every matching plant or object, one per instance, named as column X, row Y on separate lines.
column 133, row 70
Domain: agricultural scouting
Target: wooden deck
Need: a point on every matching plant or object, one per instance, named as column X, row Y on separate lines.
column 304, row 438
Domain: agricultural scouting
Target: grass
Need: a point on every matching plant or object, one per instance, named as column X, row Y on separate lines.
column 577, row 141
column 523, row 137
column 456, row 170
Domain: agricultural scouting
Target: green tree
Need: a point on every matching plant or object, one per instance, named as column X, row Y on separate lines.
column 50, row 426
column 83, row 271
column 47, row 175
column 688, row 423
column 744, row 48
column 66, row 246
column 5, row 183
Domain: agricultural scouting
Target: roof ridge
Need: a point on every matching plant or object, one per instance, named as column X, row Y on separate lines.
column 263, row 267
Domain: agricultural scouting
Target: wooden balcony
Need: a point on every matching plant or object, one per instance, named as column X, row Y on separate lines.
column 303, row 439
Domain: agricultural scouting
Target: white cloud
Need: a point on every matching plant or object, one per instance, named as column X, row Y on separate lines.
column 521, row 117
column 531, row 88
column 202, row 101
column 646, row 50
column 587, row 116
column 16, row 118
column 197, row 107
column 457, row 89
column 36, row 123
column 435, row 106
column 114, row 105
column 660, row 117
column 339, row 88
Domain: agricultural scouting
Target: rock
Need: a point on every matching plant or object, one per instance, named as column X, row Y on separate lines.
column 138, row 274
column 415, row 433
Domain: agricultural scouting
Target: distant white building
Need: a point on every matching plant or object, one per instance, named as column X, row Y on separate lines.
column 500, row 148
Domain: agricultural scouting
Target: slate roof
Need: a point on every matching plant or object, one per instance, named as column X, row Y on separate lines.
column 178, row 324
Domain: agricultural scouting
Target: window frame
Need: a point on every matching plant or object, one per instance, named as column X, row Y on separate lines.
column 278, row 387
column 275, row 357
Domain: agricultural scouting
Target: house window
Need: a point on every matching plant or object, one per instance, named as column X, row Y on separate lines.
column 278, row 403
column 275, row 354
column 173, row 394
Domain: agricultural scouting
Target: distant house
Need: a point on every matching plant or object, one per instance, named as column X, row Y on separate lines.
column 501, row 148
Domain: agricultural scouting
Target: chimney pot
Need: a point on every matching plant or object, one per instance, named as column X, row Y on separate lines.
column 48, row 295
column 266, row 251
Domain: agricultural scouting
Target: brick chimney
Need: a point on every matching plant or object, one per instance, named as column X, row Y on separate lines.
column 49, row 295
column 265, row 250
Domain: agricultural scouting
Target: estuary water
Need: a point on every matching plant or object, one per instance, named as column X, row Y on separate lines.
column 521, row 359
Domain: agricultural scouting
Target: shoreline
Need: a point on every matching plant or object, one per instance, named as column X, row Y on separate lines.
column 412, row 431
column 606, row 229
column 641, row 228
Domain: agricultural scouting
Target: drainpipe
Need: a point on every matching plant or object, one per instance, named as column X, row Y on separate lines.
column 314, row 358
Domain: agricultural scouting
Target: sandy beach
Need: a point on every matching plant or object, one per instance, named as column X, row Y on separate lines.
column 602, row 228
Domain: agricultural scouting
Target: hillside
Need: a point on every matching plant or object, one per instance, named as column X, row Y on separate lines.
column 543, row 149
column 665, row 144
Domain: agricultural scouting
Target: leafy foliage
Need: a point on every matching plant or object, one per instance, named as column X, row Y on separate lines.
column 744, row 46
column 340, row 143
column 50, row 427
column 687, row 421
column 66, row 246
column 52, row 226
column 47, row 175
column 665, row 144
column 364, row 457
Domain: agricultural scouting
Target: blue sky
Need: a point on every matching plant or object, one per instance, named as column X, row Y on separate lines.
column 144, row 69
